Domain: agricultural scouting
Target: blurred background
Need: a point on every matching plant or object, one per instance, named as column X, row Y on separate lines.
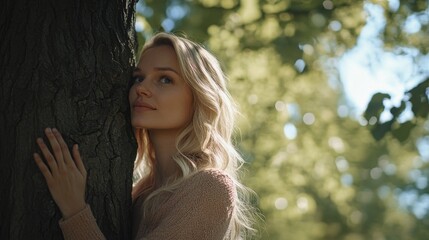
column 334, row 103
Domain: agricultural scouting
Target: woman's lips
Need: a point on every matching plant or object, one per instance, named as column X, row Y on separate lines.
column 141, row 106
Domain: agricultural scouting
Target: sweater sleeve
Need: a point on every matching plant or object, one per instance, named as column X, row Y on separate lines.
column 81, row 226
column 202, row 209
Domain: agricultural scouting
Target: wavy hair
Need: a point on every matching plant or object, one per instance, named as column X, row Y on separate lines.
column 206, row 142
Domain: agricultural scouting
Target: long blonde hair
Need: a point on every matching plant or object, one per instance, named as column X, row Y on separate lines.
column 206, row 141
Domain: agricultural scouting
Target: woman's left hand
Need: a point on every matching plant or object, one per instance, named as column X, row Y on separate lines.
column 64, row 174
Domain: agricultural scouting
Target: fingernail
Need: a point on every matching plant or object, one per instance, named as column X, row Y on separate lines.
column 54, row 130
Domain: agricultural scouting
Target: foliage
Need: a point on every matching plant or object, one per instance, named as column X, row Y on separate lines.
column 416, row 97
column 394, row 35
column 318, row 173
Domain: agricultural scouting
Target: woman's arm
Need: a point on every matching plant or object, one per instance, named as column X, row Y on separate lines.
column 66, row 179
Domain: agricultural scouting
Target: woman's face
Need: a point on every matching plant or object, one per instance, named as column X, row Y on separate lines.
column 160, row 99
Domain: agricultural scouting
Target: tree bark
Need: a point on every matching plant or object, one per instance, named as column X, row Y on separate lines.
column 66, row 64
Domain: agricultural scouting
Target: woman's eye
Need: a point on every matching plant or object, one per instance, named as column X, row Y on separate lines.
column 165, row 80
column 137, row 79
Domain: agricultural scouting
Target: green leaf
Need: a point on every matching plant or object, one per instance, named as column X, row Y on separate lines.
column 419, row 99
column 403, row 131
column 380, row 130
column 396, row 111
column 375, row 106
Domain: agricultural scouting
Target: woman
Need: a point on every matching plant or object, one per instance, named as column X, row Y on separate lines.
column 183, row 119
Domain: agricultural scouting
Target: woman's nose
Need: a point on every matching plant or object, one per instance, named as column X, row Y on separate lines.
column 143, row 88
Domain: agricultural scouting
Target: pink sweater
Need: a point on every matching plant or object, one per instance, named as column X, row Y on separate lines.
column 201, row 208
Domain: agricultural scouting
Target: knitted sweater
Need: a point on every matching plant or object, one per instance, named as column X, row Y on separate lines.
column 201, row 208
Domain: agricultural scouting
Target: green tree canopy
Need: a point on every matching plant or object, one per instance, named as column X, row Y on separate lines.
column 319, row 173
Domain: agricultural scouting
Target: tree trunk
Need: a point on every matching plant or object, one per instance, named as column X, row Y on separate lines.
column 65, row 64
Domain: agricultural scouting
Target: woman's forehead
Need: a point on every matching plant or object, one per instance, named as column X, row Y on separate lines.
column 159, row 56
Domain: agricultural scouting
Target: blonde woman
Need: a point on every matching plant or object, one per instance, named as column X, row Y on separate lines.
column 183, row 118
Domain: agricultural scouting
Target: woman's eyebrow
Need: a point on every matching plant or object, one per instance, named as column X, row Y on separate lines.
column 137, row 69
column 166, row 69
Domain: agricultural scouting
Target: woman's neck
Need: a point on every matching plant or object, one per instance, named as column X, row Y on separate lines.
column 164, row 143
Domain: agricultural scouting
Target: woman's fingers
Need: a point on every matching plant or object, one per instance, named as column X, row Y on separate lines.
column 52, row 163
column 43, row 168
column 64, row 148
column 60, row 158
column 58, row 153
column 66, row 178
column 78, row 160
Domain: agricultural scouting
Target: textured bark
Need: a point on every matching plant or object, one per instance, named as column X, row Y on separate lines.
column 65, row 64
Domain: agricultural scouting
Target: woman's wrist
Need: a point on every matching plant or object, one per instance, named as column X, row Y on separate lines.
column 73, row 210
